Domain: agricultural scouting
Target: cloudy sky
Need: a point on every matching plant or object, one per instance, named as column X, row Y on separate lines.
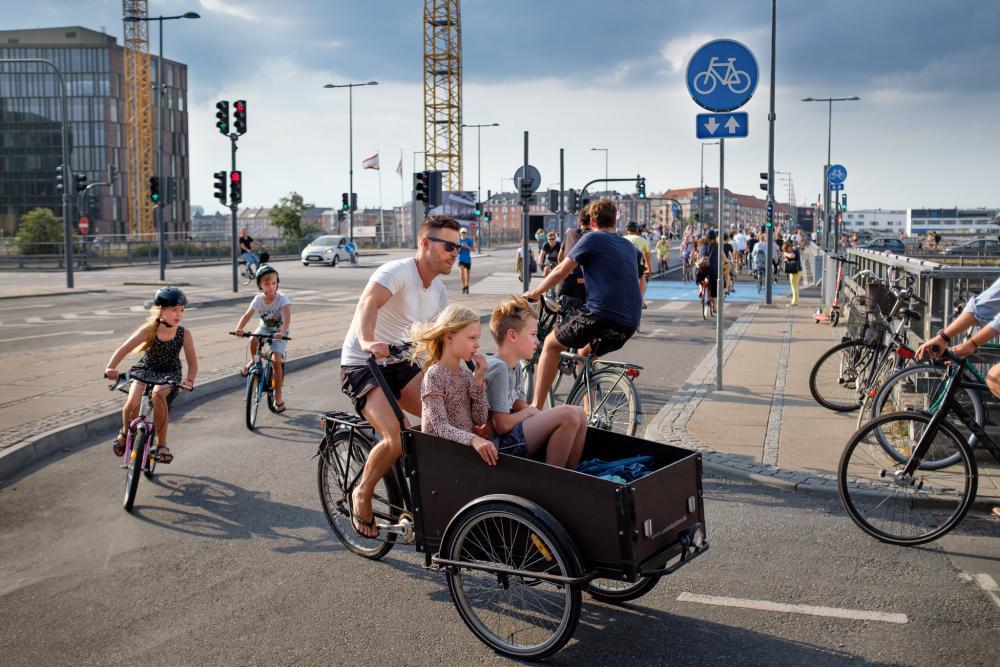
column 581, row 74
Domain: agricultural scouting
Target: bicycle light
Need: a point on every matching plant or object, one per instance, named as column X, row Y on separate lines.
column 905, row 352
column 632, row 372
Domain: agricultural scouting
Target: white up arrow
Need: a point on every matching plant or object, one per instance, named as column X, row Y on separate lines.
column 732, row 125
column 711, row 125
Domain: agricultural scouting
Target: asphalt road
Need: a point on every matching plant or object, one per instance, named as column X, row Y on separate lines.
column 228, row 559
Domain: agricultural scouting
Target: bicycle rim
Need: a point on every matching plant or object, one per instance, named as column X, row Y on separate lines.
column 339, row 470
column 614, row 402
column 919, row 388
column 253, row 400
column 617, row 592
column 837, row 378
column 897, row 508
column 519, row 616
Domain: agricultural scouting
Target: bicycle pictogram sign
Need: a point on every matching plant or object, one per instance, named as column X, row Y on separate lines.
column 836, row 173
column 722, row 75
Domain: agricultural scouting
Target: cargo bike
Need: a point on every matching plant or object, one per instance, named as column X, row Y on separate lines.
column 518, row 542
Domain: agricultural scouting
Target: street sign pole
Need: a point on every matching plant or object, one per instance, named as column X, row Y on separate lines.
column 769, row 268
column 526, row 257
column 720, row 284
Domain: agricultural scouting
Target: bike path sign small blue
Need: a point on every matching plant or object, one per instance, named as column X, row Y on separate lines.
column 836, row 173
column 722, row 75
column 726, row 125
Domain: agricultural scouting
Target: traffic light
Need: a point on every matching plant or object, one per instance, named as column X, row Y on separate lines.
column 843, row 201
column 763, row 177
column 488, row 216
column 345, row 202
column 706, row 190
column 235, row 187
column 479, row 209
column 420, row 185
column 220, row 186
column 354, row 201
column 433, row 188
column 553, row 200
column 80, row 181
column 59, row 179
column 240, row 116
column 572, row 201
column 154, row 189
column 222, row 117
column 769, row 209
column 640, row 186
column 340, row 216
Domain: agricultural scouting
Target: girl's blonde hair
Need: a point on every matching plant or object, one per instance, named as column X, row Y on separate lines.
column 429, row 336
column 150, row 326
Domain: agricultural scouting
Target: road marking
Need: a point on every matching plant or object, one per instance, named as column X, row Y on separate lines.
column 673, row 305
column 31, row 307
column 990, row 587
column 808, row 610
column 61, row 333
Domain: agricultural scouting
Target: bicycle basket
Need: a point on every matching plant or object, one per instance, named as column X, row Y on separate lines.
column 880, row 298
column 864, row 322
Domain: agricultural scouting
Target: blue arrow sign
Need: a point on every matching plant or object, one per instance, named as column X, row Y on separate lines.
column 726, row 125
column 836, row 173
column 722, row 75
column 836, row 186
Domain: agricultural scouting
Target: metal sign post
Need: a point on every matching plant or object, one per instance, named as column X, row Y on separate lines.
column 721, row 77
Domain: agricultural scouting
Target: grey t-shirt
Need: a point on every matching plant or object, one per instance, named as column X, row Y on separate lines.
column 503, row 385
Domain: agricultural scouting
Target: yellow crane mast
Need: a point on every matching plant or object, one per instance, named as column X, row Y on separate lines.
column 138, row 118
column 443, row 91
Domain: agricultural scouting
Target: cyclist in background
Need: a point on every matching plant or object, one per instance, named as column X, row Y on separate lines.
column 614, row 302
column 550, row 253
column 572, row 291
column 247, row 243
column 643, row 256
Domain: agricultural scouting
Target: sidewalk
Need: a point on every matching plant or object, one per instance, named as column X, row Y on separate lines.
column 764, row 424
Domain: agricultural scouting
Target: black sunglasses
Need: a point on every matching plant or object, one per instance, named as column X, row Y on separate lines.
column 449, row 246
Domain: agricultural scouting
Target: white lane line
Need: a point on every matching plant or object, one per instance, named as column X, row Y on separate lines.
column 673, row 305
column 990, row 587
column 61, row 333
column 31, row 307
column 808, row 610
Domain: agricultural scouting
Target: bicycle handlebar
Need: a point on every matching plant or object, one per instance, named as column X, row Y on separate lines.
column 126, row 377
column 841, row 258
column 249, row 334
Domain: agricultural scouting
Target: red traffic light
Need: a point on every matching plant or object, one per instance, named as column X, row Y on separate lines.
column 240, row 105
column 235, row 177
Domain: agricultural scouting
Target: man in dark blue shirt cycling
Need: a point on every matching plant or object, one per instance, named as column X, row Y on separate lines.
column 614, row 301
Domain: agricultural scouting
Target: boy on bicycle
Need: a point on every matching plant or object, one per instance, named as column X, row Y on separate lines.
column 614, row 301
column 275, row 310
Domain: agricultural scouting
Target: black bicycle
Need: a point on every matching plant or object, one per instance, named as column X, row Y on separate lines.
column 260, row 377
column 909, row 477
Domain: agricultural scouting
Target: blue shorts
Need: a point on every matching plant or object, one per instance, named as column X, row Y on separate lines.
column 278, row 345
column 513, row 443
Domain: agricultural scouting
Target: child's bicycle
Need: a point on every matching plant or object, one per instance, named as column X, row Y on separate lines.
column 260, row 377
column 140, row 452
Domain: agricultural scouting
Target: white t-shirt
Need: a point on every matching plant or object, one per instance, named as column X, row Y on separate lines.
column 270, row 313
column 740, row 240
column 410, row 303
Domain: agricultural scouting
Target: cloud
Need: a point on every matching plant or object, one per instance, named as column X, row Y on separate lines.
column 240, row 11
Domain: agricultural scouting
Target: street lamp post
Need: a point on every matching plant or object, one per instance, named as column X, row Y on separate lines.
column 479, row 163
column 605, row 165
column 701, row 188
column 161, row 90
column 826, row 183
column 350, row 149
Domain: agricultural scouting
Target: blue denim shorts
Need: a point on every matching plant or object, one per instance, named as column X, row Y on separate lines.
column 278, row 345
column 513, row 443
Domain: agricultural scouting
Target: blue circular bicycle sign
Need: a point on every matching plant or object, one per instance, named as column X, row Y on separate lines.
column 722, row 75
column 836, row 173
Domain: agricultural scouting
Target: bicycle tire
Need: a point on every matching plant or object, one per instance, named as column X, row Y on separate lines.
column 133, row 469
column 253, row 399
column 509, row 536
column 617, row 413
column 834, row 317
column 926, row 381
column 337, row 464
column 272, row 404
column 846, row 363
column 150, row 468
column 904, row 510
column 888, row 365
column 614, row 591
column 249, row 271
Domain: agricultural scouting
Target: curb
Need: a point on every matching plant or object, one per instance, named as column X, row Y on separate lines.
column 60, row 292
column 68, row 437
column 669, row 426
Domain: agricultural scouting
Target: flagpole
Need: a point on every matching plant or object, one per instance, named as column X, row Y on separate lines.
column 381, row 219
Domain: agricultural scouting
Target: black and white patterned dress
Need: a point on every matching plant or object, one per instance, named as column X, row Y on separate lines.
column 162, row 358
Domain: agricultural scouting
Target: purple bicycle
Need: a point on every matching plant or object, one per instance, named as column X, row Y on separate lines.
column 140, row 452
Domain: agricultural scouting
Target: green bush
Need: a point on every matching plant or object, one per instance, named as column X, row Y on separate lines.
column 40, row 232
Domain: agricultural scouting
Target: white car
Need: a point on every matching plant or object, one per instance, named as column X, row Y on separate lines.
column 328, row 250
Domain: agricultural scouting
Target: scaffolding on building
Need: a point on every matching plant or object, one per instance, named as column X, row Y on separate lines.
column 443, row 91
column 138, row 117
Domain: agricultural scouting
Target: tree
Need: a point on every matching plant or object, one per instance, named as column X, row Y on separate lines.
column 287, row 215
column 40, row 232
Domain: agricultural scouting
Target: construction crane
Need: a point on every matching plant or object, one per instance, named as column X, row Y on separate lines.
column 443, row 91
column 138, row 117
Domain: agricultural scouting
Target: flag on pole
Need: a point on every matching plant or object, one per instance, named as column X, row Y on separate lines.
column 371, row 163
column 399, row 167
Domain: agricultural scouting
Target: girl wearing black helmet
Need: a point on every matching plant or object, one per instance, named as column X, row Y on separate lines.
column 275, row 310
column 161, row 340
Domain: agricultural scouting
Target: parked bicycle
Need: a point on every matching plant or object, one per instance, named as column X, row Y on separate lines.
column 909, row 477
column 141, row 453
column 260, row 377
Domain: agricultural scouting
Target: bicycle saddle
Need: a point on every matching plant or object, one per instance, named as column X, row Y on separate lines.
column 909, row 313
